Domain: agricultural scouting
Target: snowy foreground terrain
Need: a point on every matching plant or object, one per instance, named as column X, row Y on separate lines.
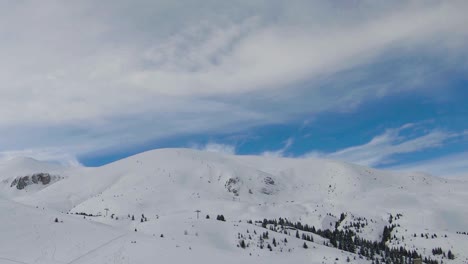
column 142, row 210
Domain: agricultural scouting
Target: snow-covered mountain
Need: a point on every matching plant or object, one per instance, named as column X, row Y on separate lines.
column 162, row 189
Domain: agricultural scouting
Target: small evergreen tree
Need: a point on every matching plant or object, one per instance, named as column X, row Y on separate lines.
column 220, row 218
column 450, row 255
column 242, row 244
column 305, row 246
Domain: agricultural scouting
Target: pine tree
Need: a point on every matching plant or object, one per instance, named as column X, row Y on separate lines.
column 56, row 220
column 305, row 245
column 242, row 244
column 450, row 255
column 220, row 218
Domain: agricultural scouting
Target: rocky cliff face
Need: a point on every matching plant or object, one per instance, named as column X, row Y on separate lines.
column 265, row 184
column 37, row 178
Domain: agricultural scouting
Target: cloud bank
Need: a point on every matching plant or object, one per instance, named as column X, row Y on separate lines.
column 217, row 148
column 86, row 76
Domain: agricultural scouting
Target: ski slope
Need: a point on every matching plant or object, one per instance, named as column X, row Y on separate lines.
column 168, row 185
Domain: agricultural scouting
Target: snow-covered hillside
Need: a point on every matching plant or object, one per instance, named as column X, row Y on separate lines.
column 142, row 209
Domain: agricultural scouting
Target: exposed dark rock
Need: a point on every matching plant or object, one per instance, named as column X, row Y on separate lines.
column 268, row 180
column 37, row 178
column 270, row 186
column 232, row 185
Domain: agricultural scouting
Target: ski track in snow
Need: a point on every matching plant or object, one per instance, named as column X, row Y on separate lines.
column 76, row 260
column 13, row 261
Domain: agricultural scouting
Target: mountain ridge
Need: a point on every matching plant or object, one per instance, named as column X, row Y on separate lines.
column 168, row 185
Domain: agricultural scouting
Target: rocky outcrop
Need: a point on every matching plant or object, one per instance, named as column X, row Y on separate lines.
column 269, row 186
column 37, row 178
column 265, row 184
column 233, row 185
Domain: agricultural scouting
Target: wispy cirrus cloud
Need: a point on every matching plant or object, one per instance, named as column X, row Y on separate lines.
column 382, row 148
column 279, row 152
column 118, row 73
column 452, row 166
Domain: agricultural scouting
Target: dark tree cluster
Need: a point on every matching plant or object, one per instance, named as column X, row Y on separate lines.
column 143, row 218
column 438, row 251
column 342, row 218
column 85, row 214
column 450, row 255
column 433, row 236
column 307, row 237
column 263, row 241
column 220, row 218
column 348, row 240
column 387, row 233
column 391, row 218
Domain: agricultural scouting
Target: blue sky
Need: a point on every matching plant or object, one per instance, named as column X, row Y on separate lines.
column 381, row 84
column 410, row 117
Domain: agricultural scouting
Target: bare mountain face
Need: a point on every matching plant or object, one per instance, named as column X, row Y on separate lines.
column 43, row 178
column 140, row 198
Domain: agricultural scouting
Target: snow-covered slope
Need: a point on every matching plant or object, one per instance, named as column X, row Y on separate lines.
column 167, row 186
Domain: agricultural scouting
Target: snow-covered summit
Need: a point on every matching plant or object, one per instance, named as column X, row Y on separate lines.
column 168, row 185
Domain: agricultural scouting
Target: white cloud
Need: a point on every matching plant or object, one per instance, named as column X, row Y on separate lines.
column 453, row 166
column 381, row 149
column 89, row 75
column 280, row 152
column 51, row 155
column 247, row 57
column 218, row 148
